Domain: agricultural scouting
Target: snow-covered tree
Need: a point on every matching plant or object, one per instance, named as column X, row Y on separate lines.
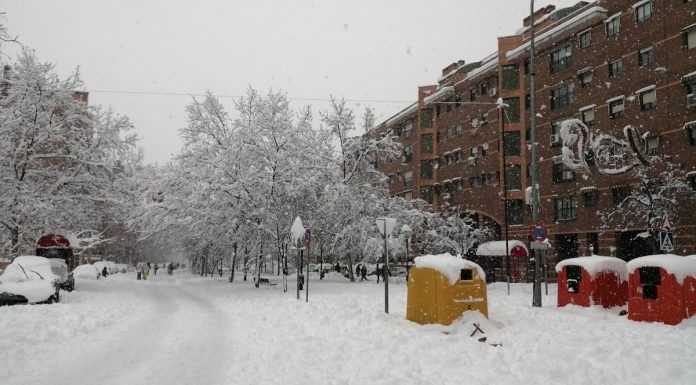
column 61, row 161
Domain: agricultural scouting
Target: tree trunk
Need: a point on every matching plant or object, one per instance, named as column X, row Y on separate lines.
column 258, row 267
column 350, row 268
column 234, row 261
column 246, row 259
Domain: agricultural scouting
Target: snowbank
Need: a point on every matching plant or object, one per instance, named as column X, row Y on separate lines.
column 449, row 265
column 596, row 264
column 497, row 248
column 86, row 272
column 674, row 264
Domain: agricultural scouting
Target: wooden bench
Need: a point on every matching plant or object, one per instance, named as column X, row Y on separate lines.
column 265, row 281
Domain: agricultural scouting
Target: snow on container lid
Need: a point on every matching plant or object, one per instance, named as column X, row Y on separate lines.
column 596, row 264
column 673, row 264
column 497, row 248
column 449, row 265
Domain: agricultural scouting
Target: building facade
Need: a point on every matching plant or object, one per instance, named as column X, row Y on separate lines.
column 610, row 64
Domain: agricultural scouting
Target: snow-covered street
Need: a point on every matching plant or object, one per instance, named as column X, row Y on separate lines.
column 191, row 330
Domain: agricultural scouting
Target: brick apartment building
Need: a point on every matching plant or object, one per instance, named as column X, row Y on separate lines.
column 609, row 63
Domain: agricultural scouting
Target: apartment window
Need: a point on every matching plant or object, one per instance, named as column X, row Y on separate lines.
column 483, row 87
column 511, row 77
column 561, row 58
column 648, row 98
column 555, row 139
column 562, row 96
column 484, row 118
column 457, row 100
column 565, row 208
column 484, row 149
column 590, row 197
column 448, row 104
column 585, row 76
column 511, row 143
column 585, row 39
column 615, row 68
column 407, row 129
column 450, row 132
column 426, row 143
column 472, row 94
column 515, row 208
column 512, row 178
column 690, row 132
column 475, row 181
column 474, row 122
column 561, row 173
column 426, row 194
column 619, row 194
column 457, row 184
column 692, row 180
column 616, row 107
column 587, row 115
column 689, row 37
column 408, row 177
column 426, row 169
column 512, row 112
column 646, row 57
column 651, row 145
column 456, row 156
column 643, row 11
column 474, row 152
column 426, row 118
column 613, row 25
column 407, row 155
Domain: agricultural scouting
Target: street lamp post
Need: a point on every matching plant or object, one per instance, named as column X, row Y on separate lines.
column 387, row 226
column 536, row 298
column 406, row 231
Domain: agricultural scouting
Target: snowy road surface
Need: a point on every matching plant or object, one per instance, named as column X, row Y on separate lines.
column 191, row 330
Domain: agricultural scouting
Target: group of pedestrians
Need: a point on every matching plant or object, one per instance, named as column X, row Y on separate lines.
column 361, row 271
column 143, row 269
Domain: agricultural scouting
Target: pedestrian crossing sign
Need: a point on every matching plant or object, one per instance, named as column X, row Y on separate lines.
column 666, row 241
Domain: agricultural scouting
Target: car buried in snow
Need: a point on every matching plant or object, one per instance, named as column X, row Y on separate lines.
column 31, row 279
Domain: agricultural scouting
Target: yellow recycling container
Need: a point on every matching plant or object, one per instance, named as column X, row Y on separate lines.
column 442, row 287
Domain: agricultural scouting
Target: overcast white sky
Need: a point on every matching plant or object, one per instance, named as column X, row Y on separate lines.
column 360, row 49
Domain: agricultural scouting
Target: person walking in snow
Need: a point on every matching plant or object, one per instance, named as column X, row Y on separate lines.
column 338, row 267
column 379, row 272
column 146, row 270
column 357, row 269
column 156, row 267
column 170, row 268
column 104, row 272
column 363, row 273
column 139, row 270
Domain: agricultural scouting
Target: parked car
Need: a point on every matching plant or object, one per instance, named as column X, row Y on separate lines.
column 86, row 272
column 30, row 279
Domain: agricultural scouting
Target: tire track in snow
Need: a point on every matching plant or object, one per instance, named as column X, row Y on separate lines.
column 178, row 340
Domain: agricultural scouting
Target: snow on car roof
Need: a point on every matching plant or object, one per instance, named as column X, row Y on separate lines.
column 596, row 264
column 680, row 266
column 449, row 265
column 31, row 260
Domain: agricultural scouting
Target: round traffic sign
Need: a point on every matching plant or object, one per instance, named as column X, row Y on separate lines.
column 538, row 232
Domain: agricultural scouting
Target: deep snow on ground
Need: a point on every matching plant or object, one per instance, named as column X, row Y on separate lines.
column 191, row 330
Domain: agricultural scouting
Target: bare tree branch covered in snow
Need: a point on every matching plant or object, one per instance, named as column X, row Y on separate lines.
column 233, row 192
column 657, row 184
